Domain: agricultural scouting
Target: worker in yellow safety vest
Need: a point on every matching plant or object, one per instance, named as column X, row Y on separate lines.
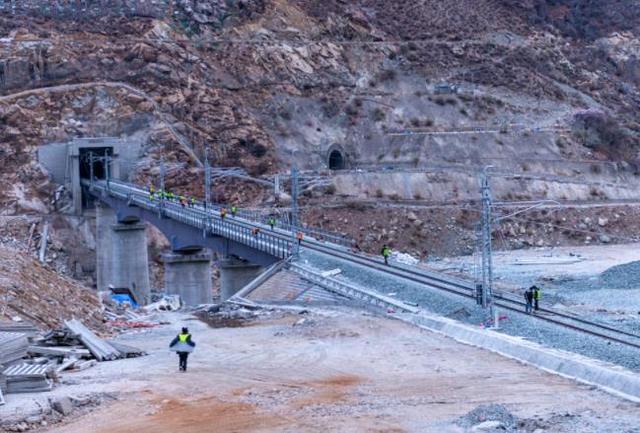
column 537, row 295
column 183, row 345
column 385, row 252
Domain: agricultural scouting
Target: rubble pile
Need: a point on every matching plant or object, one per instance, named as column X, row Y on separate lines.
column 489, row 417
column 229, row 315
column 30, row 363
column 120, row 316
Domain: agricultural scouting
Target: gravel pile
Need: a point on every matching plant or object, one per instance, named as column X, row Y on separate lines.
column 626, row 276
column 490, row 412
column 616, row 291
column 445, row 304
column 621, row 277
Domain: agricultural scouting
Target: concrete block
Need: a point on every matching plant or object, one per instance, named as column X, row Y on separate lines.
column 62, row 405
column 486, row 426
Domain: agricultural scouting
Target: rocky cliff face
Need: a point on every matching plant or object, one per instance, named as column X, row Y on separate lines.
column 581, row 19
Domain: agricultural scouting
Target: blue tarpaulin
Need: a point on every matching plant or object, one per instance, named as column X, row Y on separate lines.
column 124, row 298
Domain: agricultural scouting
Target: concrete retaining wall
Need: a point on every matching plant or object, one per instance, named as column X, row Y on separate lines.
column 608, row 377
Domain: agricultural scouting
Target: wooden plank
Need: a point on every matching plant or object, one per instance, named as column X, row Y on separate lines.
column 67, row 363
column 84, row 365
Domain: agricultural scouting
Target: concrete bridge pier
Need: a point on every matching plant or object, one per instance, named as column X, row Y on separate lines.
column 105, row 217
column 189, row 275
column 122, row 257
column 235, row 274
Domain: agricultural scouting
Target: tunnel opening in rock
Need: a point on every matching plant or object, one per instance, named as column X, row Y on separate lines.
column 336, row 160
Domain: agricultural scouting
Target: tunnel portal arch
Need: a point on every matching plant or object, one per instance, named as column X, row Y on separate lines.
column 336, row 158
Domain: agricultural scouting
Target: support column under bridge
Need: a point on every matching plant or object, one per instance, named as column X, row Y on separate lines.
column 189, row 275
column 235, row 274
column 121, row 251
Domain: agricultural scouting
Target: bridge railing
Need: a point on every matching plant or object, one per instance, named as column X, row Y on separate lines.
column 205, row 220
column 259, row 216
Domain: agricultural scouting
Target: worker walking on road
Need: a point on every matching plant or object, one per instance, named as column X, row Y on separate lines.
column 183, row 346
column 386, row 252
column 537, row 295
column 528, row 297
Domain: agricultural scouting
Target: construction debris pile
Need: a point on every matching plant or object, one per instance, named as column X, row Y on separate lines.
column 121, row 316
column 29, row 363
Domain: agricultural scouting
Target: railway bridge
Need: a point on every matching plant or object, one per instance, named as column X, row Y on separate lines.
column 122, row 259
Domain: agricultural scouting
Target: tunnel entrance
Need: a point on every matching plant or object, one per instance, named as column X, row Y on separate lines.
column 98, row 162
column 336, row 160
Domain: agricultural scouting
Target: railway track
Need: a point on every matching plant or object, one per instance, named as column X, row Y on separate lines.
column 433, row 280
column 465, row 289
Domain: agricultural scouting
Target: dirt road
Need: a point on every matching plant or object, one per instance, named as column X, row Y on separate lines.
column 336, row 372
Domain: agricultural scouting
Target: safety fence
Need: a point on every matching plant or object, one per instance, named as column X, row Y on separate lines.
column 281, row 216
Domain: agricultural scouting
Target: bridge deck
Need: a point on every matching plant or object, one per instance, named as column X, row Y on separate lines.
column 194, row 227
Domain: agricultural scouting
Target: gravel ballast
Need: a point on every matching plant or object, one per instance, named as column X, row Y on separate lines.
column 451, row 305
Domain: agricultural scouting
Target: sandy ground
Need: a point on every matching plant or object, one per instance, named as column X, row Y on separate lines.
column 524, row 267
column 340, row 371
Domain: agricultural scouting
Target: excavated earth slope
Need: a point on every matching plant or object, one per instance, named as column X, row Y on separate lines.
column 38, row 294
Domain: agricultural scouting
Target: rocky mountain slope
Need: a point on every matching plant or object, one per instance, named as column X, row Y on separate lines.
column 263, row 83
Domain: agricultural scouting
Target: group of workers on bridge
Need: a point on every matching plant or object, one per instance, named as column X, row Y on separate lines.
column 192, row 202
column 170, row 196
